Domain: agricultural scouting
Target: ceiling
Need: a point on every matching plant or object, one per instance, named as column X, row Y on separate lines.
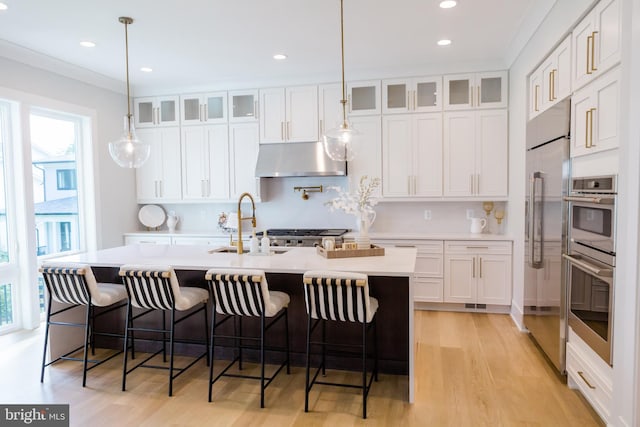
column 212, row 44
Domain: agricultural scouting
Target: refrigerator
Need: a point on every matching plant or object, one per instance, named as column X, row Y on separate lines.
column 545, row 289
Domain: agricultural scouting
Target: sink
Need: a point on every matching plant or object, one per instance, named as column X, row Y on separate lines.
column 233, row 250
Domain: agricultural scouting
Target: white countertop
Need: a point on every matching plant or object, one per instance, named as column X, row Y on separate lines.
column 395, row 262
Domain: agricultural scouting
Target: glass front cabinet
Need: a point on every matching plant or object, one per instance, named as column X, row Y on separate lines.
column 478, row 90
column 416, row 95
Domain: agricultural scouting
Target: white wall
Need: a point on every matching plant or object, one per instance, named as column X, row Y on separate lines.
column 284, row 208
column 114, row 186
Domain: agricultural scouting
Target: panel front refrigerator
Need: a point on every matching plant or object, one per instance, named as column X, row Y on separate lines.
column 547, row 169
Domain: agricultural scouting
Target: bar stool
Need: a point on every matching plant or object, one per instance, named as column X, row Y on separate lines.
column 155, row 288
column 75, row 285
column 340, row 297
column 238, row 293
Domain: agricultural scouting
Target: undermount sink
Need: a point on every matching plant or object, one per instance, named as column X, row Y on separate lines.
column 233, row 250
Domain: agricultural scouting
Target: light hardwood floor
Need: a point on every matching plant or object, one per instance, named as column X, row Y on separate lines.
column 471, row 370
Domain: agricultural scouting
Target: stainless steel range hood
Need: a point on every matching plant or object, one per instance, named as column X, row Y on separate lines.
column 296, row 159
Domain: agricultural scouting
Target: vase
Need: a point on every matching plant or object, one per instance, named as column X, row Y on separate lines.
column 172, row 221
column 364, row 220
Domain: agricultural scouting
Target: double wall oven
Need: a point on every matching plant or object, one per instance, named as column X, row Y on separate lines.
column 591, row 261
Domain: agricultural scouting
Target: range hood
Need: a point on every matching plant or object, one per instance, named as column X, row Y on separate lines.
column 296, row 159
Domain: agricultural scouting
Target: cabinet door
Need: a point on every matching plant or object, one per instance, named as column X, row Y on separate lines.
column 427, row 157
column 582, row 52
column 460, row 278
column 170, row 179
column 148, row 174
column 426, row 94
column 549, row 70
column 215, row 107
column 395, row 96
column 144, row 112
column 330, row 113
column 369, row 159
column 580, row 121
column 243, row 154
column 302, row 114
column 459, row 153
column 607, row 39
column 218, row 178
column 562, row 75
column 494, row 279
column 491, row 153
column 243, row 106
column 458, row 91
column 272, row 115
column 363, row 98
column 606, row 96
column 535, row 100
column 397, row 155
column 195, row 163
column 491, row 90
column 157, row 111
column 191, row 110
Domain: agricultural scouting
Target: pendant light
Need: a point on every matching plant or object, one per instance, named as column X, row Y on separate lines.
column 341, row 143
column 128, row 151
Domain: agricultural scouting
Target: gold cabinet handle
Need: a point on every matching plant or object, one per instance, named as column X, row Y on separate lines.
column 471, row 183
column 415, row 100
column 478, row 101
column 471, row 95
column 480, row 264
column 473, row 274
column 321, row 130
column 536, row 97
column 288, row 130
column 282, row 131
column 585, row 380
column 586, row 128
column 591, row 111
column 593, row 51
column 553, row 85
column 589, row 50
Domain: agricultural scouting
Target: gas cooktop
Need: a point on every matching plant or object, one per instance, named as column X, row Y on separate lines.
column 305, row 232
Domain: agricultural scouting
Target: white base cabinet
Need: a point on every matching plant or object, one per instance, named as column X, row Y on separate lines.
column 477, row 272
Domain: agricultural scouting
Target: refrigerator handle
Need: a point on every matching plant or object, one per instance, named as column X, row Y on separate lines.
column 532, row 217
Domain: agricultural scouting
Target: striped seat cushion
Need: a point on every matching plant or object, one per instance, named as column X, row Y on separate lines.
column 342, row 296
column 244, row 293
column 157, row 287
column 73, row 283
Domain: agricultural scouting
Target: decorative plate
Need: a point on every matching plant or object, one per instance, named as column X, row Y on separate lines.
column 151, row 216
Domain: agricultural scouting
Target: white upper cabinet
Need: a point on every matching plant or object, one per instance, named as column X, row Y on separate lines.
column 363, row 98
column 479, row 90
column 420, row 95
column 243, row 155
column 156, row 111
column 243, row 106
column 595, row 115
column 597, row 42
column 208, row 108
column 329, row 107
column 551, row 82
column 158, row 179
column 476, row 154
column 205, row 162
column 289, row 114
column 368, row 161
column 412, row 155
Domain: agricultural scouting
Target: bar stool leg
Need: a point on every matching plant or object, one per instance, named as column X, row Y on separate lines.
column 172, row 330
column 239, row 342
column 212, row 343
column 364, row 369
column 375, row 347
column 206, row 332
column 46, row 340
column 85, row 355
column 262, row 360
column 164, row 337
column 306, row 384
column 128, row 326
column 91, row 334
column 286, row 331
column 324, row 347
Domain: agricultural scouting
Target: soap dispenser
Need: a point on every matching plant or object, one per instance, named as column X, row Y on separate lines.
column 265, row 243
column 254, row 243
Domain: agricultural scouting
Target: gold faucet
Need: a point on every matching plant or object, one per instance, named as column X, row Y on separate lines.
column 240, row 219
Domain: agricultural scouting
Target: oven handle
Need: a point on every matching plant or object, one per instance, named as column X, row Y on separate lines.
column 590, row 268
column 591, row 199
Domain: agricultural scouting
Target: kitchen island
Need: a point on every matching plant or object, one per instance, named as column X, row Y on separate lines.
column 390, row 278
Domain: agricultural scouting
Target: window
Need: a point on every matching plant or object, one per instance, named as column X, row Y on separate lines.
column 66, row 179
column 65, row 236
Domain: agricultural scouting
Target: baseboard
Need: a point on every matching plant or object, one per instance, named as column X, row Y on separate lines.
column 517, row 315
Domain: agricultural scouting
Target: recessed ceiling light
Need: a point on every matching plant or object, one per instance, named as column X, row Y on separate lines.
column 146, row 69
column 444, row 42
column 448, row 4
column 279, row 56
column 87, row 43
column 3, row 6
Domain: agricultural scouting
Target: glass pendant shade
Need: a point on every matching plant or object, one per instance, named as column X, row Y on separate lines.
column 342, row 143
column 128, row 151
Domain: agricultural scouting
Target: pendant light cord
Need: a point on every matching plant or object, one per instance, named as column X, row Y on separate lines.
column 126, row 62
column 344, row 92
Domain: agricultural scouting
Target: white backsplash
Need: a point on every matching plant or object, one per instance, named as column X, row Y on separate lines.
column 284, row 208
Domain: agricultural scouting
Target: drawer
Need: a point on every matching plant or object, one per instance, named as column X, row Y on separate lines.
column 160, row 240
column 426, row 289
column 593, row 386
column 475, row 247
column 423, row 246
column 429, row 265
column 211, row 241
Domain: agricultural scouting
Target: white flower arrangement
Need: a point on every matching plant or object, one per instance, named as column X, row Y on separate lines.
column 358, row 203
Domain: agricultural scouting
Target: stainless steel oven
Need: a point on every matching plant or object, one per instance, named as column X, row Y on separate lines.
column 592, row 213
column 591, row 261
